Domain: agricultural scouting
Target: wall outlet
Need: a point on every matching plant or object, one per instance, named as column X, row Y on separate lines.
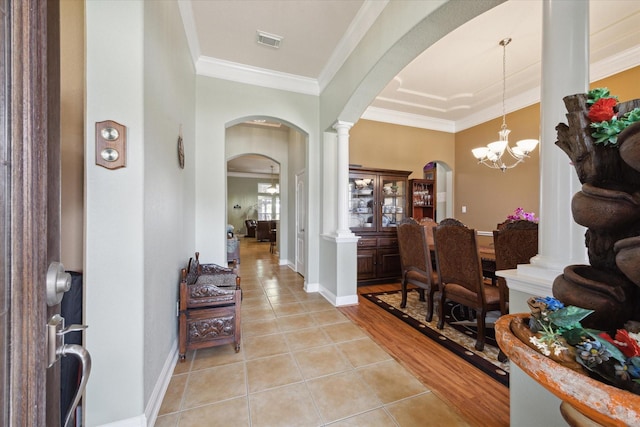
column 464, row 209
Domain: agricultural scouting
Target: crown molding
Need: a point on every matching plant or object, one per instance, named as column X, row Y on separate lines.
column 512, row 104
column 599, row 70
column 227, row 70
column 615, row 64
column 408, row 119
column 363, row 20
column 189, row 24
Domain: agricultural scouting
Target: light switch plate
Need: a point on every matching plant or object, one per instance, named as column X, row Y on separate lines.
column 111, row 144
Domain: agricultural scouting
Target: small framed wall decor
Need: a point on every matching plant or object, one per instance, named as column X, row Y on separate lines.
column 180, row 150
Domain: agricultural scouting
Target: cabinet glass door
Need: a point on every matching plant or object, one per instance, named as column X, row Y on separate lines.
column 394, row 201
column 362, row 190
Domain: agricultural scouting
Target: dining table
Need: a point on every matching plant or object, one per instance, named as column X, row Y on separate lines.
column 488, row 261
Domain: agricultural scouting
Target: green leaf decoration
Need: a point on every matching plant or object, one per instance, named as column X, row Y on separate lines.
column 569, row 317
column 606, row 133
column 575, row 336
column 635, row 361
column 597, row 93
column 615, row 353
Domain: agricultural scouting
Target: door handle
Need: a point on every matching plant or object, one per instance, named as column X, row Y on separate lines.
column 56, row 348
column 85, row 362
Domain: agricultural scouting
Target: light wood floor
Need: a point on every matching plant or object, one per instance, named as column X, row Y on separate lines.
column 480, row 399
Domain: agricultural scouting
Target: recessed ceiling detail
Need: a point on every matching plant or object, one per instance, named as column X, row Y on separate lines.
column 451, row 86
column 421, row 105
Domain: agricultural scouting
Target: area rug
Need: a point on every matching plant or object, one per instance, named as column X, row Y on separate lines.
column 457, row 336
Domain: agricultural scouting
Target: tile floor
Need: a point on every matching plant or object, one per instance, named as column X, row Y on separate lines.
column 301, row 363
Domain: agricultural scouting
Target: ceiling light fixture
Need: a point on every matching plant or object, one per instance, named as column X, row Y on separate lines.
column 272, row 189
column 491, row 155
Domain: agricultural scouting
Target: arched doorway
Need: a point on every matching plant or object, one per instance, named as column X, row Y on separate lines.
column 443, row 175
column 267, row 142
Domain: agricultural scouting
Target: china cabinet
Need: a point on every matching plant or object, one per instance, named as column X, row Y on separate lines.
column 377, row 203
column 422, row 198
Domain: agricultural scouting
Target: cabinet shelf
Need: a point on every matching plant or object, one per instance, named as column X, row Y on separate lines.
column 378, row 257
column 422, row 198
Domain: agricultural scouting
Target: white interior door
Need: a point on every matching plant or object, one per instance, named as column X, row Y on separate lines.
column 301, row 221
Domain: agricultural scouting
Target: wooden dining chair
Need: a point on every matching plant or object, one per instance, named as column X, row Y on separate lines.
column 428, row 224
column 415, row 261
column 460, row 274
column 515, row 243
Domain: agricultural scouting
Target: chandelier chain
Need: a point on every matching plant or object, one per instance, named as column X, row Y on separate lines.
column 504, row 44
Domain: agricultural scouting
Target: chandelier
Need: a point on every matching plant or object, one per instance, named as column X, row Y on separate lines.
column 491, row 155
column 272, row 189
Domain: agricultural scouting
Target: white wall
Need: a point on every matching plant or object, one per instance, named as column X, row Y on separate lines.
column 114, row 279
column 169, row 192
column 139, row 219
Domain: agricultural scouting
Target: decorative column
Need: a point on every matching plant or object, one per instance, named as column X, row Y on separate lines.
column 565, row 71
column 343, row 178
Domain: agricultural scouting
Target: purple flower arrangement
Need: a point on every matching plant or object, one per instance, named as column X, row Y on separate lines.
column 520, row 213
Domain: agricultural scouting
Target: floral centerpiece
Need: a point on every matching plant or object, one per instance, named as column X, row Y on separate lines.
column 555, row 330
column 520, row 214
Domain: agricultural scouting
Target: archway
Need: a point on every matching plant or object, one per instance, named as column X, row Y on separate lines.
column 443, row 175
column 265, row 142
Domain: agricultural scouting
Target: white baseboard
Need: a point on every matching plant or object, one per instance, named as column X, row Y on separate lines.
column 155, row 400
column 335, row 300
column 311, row 287
column 139, row 421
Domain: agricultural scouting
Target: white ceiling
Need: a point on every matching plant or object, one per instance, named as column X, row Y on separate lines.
column 453, row 85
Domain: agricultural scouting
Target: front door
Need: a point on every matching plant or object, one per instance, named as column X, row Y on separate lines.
column 29, row 207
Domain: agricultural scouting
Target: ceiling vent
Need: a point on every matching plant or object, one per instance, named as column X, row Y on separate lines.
column 270, row 40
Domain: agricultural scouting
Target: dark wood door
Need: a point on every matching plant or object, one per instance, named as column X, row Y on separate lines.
column 366, row 260
column 30, row 183
column 388, row 263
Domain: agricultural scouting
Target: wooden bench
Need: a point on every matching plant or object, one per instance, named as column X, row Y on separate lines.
column 209, row 307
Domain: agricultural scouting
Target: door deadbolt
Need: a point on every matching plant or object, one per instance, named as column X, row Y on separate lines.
column 58, row 282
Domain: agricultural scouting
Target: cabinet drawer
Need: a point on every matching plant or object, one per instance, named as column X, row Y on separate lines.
column 210, row 324
column 388, row 242
column 367, row 243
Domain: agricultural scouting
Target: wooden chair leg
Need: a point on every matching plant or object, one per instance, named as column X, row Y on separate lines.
column 441, row 310
column 403, row 303
column 481, row 321
column 429, row 315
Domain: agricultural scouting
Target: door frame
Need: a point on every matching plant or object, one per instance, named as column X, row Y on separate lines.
column 34, row 206
column 300, row 221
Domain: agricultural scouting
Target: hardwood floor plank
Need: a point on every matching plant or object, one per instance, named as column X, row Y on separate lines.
column 481, row 400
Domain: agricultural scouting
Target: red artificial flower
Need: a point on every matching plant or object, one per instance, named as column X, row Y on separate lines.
column 602, row 110
column 632, row 346
column 625, row 343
